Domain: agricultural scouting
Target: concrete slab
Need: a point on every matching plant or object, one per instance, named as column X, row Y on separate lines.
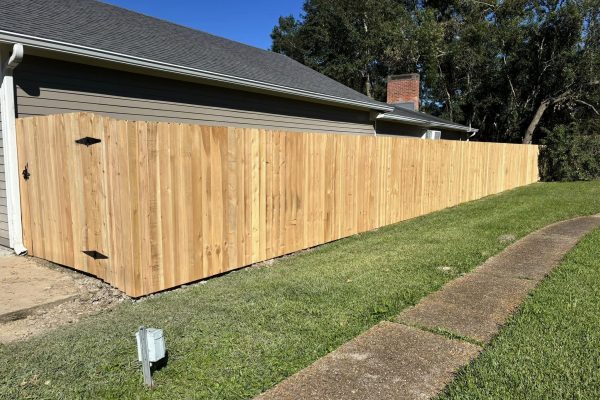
column 574, row 228
column 474, row 306
column 531, row 258
column 389, row 361
column 26, row 286
column 534, row 256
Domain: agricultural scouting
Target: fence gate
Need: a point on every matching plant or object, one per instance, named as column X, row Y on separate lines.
column 64, row 199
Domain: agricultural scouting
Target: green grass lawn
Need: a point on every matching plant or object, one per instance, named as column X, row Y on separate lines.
column 551, row 348
column 241, row 333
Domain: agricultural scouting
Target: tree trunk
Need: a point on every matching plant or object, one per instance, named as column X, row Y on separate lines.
column 368, row 88
column 528, row 138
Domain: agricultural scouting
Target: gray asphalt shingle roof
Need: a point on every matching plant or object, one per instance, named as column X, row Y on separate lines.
column 102, row 26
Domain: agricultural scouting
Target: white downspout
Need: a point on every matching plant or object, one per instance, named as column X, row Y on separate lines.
column 11, row 164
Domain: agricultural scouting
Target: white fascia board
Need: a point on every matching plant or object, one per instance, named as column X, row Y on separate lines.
column 455, row 127
column 69, row 48
column 422, row 122
column 412, row 121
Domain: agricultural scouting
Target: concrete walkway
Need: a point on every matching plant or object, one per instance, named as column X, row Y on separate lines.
column 404, row 359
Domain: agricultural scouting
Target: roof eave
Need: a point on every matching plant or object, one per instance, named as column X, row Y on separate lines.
column 144, row 63
column 424, row 123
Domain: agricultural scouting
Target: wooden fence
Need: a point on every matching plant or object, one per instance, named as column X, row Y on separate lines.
column 156, row 205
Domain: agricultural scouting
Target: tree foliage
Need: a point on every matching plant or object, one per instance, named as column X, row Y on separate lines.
column 516, row 69
column 570, row 154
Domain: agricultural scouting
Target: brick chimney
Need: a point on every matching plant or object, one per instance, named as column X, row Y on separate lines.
column 403, row 89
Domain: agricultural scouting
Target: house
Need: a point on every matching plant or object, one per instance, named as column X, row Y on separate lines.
column 82, row 55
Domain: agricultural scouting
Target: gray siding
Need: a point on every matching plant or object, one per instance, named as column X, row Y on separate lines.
column 46, row 86
column 4, row 240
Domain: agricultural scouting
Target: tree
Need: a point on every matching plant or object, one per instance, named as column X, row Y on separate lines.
column 509, row 68
column 547, row 55
column 345, row 40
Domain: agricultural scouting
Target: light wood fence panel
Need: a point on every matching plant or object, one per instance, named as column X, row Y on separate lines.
column 156, row 205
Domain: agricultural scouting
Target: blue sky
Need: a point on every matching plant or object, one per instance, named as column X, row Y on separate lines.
column 249, row 22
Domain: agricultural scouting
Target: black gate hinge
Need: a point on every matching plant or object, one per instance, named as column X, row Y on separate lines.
column 88, row 141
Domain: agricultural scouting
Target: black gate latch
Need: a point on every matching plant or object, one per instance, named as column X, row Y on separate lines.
column 26, row 173
column 88, row 141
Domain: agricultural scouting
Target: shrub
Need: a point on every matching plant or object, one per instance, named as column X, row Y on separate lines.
column 568, row 155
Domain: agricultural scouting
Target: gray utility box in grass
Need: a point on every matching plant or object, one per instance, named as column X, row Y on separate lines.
column 156, row 344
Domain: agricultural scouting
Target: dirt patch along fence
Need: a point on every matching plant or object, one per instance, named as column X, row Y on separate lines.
column 147, row 206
